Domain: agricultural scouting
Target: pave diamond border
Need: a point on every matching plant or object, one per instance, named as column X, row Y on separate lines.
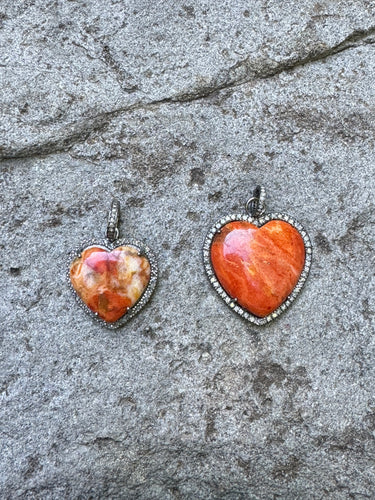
column 106, row 244
column 257, row 221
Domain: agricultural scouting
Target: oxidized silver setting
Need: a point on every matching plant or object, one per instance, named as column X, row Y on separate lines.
column 257, row 216
column 110, row 244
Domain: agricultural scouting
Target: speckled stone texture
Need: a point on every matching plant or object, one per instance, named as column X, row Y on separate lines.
column 179, row 110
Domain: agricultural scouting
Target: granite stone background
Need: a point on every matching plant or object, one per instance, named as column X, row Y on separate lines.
column 179, row 109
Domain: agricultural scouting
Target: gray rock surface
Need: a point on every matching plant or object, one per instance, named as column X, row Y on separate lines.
column 179, row 110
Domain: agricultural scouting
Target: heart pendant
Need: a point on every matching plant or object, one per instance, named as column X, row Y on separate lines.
column 112, row 278
column 257, row 262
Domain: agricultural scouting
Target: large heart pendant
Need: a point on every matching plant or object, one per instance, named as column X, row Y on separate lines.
column 112, row 278
column 257, row 262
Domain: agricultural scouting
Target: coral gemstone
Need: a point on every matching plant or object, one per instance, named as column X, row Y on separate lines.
column 258, row 266
column 109, row 283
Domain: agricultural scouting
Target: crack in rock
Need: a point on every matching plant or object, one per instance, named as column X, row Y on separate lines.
column 241, row 73
column 247, row 70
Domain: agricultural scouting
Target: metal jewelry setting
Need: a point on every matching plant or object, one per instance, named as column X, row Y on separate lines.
column 255, row 208
column 109, row 243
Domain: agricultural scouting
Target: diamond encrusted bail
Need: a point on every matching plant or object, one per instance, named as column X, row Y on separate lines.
column 113, row 221
column 255, row 206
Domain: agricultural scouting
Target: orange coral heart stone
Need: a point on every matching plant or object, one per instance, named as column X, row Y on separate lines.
column 258, row 266
column 110, row 282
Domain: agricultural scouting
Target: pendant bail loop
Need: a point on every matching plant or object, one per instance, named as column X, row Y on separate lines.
column 113, row 221
column 255, row 206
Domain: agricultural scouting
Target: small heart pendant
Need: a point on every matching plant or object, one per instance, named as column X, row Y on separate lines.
column 112, row 278
column 257, row 262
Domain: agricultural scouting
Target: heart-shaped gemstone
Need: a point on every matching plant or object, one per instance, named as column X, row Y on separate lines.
column 110, row 282
column 258, row 266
